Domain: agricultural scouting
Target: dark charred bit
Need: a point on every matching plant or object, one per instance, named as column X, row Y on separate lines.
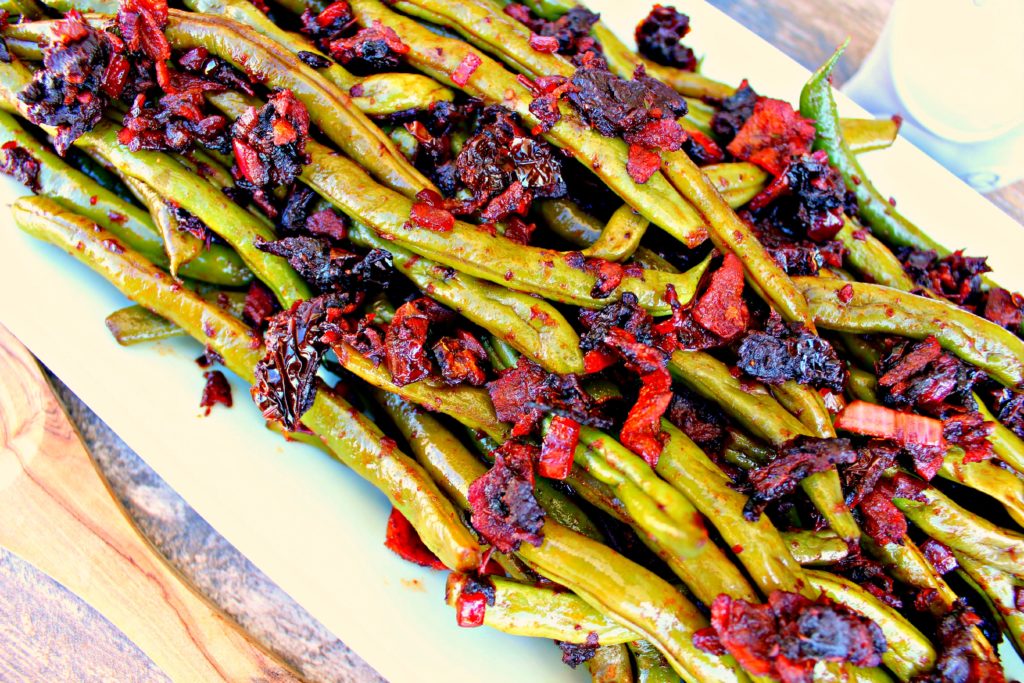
column 523, row 394
column 626, row 314
column 505, row 169
column 571, row 30
column 330, row 25
column 955, row 277
column 807, row 200
column 1004, row 308
column 406, row 339
column 574, row 654
column 374, row 49
column 883, row 521
column 461, row 359
column 19, row 163
column 659, row 37
column 141, row 24
column 1008, row 407
column 175, row 122
column 701, row 420
column 785, row 638
column 5, row 53
column 269, row 146
column 199, row 62
column 323, row 266
column 861, row 476
column 313, row 60
column 869, row 575
column 796, row 461
column 772, row 136
column 298, row 206
column 215, row 391
column 958, row 661
column 505, row 510
column 789, row 352
column 796, row 256
column 735, row 111
column 71, row 92
column 286, row 376
column 365, row 336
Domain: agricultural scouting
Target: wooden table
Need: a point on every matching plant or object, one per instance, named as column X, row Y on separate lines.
column 48, row 634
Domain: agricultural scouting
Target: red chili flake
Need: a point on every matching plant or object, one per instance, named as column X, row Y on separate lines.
column 547, row 44
column 426, row 216
column 559, row 447
column 465, row 69
column 93, row 199
column 216, row 390
column 846, row 294
column 721, row 309
column 401, row 538
column 772, row 136
column 642, row 163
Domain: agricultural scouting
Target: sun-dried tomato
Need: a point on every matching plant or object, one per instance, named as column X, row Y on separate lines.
column 773, row 135
column 796, row 461
column 174, row 122
column 215, row 391
column 807, row 199
column 1008, row 407
column 330, row 24
column 558, row 448
column 19, row 163
column 626, row 314
column 571, row 31
column 721, row 309
column 406, row 339
column 958, row 660
column 641, row 432
column 939, row 556
column 505, row 510
column 141, row 23
column 701, row 149
column 883, row 521
column 789, row 352
column 471, row 605
column 659, row 37
column 323, row 266
column 574, row 654
column 401, row 538
column 199, row 62
column 374, row 49
column 461, row 359
column 734, row 112
column 524, row 393
column 796, row 256
column 260, row 304
column 701, row 420
column 433, row 218
column 466, row 68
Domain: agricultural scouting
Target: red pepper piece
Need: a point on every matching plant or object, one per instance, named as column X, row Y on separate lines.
column 558, row 448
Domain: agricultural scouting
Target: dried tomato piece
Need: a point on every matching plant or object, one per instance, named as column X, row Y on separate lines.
column 514, row 393
column 807, row 199
column 571, row 31
column 789, row 352
column 559, row 448
column 701, row 149
column 939, row 556
column 432, row 218
column 328, row 25
column 641, row 432
column 505, row 510
column 701, row 420
column 406, row 339
column 19, row 163
column 471, row 605
column 883, row 521
column 773, row 135
column 174, row 122
column 574, row 654
column 798, row 460
column 461, row 359
column 796, row 256
column 324, row 267
column 374, row 49
column 721, row 308
column 212, row 69
column 958, row 661
column 401, row 538
column 861, row 476
column 259, row 305
column 1008, row 406
column 659, row 38
column 141, row 23
column 734, row 112
column 215, row 391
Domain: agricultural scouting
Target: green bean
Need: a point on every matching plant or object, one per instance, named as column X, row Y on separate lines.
column 986, row 477
column 570, row 222
column 818, row 104
column 532, row 326
column 738, row 181
column 136, row 325
column 651, row 666
column 1001, row 589
column 1006, row 444
column 620, row 237
column 25, row 49
column 63, row 6
column 75, row 191
column 870, row 257
column 909, row 652
column 877, row 309
column 440, row 57
column 610, row 664
column 26, row 9
column 945, row 521
column 816, row 548
column 863, row 385
column 181, row 247
column 350, row 436
column 648, row 259
column 748, row 446
column 868, row 135
column 539, row 612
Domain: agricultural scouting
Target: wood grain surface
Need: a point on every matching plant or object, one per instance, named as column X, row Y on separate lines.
column 48, row 634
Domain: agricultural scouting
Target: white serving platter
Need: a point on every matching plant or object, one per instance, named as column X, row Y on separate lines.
column 313, row 526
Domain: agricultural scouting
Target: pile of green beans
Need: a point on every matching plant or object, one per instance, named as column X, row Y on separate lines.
column 423, row 444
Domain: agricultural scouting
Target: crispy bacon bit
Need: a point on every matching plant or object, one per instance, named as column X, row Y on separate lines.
column 955, row 277
column 574, row 654
column 784, row 352
column 659, row 38
column 401, row 538
column 701, row 420
column 406, row 339
column 861, row 417
column 869, row 575
column 772, row 136
column 571, row 31
column 796, row 461
column 721, row 309
column 19, row 163
column 547, row 91
column 559, row 448
column 471, row 605
column 466, row 68
column 175, row 122
column 374, row 49
column 270, row 146
column 328, row 25
column 547, row 44
column 642, row 163
column 735, row 111
column 939, row 555
column 260, row 304
column 958, row 661
column 461, row 359
column 141, row 23
column 785, row 638
column 861, row 476
column 212, row 70
column 1004, row 308
column 505, row 510
column 806, row 200
column 641, row 433
column 285, row 384
column 216, row 390
column 883, row 521
column 68, row 92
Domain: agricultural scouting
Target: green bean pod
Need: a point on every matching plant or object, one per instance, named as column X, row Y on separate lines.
column 610, row 664
column 351, row 437
column 909, row 652
column 862, row 385
column 1006, row 444
column 137, row 325
column 871, row 258
column 986, row 477
column 180, row 246
column 868, row 135
column 620, row 237
column 818, row 104
column 532, row 326
column 1001, row 590
column 815, row 548
column 570, row 222
column 876, row 309
column 651, row 666
column 538, row 612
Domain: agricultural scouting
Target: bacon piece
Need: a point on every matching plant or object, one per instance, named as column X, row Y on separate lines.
column 406, row 338
column 461, row 359
column 401, row 538
column 773, row 135
column 559, row 448
column 641, row 432
column 505, row 510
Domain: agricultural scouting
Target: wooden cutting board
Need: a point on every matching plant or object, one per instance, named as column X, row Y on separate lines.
column 57, row 512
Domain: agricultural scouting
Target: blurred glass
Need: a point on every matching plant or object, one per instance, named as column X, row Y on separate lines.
column 954, row 70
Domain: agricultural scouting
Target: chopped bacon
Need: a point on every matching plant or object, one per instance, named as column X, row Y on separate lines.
column 505, row 510
column 701, row 420
column 796, row 461
column 955, row 277
column 426, row 216
column 514, row 392
column 773, row 135
column 721, row 308
column 374, row 49
column 571, row 31
column 406, row 339
column 466, row 68
column 861, row 417
column 558, row 448
column 141, row 23
column 216, row 390
column 641, row 432
column 642, row 163
column 461, row 359
column 806, row 200
column 401, row 538
column 1004, row 308
column 958, row 660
